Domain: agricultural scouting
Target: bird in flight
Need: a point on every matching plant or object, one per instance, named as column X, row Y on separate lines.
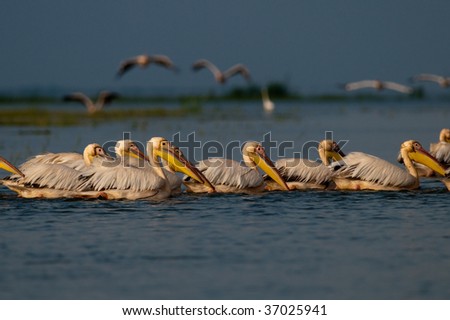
column 104, row 98
column 377, row 85
column 444, row 82
column 222, row 76
column 143, row 61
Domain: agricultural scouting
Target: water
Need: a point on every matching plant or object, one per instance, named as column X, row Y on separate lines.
column 296, row 245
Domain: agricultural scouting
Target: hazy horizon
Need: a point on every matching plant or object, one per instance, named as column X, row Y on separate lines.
column 310, row 46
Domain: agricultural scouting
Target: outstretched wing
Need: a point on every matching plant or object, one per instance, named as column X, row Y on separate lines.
column 237, row 69
column 397, row 87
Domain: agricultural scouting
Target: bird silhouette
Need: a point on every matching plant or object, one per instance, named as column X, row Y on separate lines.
column 377, row 85
column 222, row 76
column 104, row 98
column 143, row 61
column 444, row 82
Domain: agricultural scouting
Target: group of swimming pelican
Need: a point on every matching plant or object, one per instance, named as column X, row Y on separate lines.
column 133, row 175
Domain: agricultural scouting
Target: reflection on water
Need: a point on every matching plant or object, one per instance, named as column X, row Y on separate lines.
column 297, row 245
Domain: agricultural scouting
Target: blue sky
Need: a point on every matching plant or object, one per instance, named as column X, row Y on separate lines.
column 311, row 45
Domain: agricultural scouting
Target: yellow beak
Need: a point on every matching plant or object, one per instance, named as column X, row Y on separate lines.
column 6, row 165
column 179, row 163
column 263, row 161
column 428, row 160
column 334, row 155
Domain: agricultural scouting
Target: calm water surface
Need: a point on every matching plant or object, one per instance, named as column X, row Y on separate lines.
column 296, row 245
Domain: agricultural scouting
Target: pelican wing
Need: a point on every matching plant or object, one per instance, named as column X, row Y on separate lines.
column 53, row 176
column 128, row 64
column 70, row 159
column 362, row 166
column 428, row 77
column 221, row 171
column 162, row 60
column 236, row 69
column 203, row 63
column 361, row 84
column 303, row 170
column 397, row 87
column 441, row 151
column 121, row 177
column 78, row 96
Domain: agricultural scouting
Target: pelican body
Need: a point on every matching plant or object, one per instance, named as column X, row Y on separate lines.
column 229, row 176
column 56, row 175
column 304, row 174
column 361, row 171
column 148, row 180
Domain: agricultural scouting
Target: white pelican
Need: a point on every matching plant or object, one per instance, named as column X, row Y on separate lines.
column 140, row 182
column 8, row 166
column 268, row 105
column 360, row 171
column 143, row 61
column 229, row 176
column 219, row 76
column 441, row 149
column 103, row 99
column 378, row 85
column 444, row 82
column 304, row 174
column 56, row 175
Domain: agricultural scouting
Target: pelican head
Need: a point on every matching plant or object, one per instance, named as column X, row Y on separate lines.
column 94, row 150
column 329, row 149
column 254, row 155
column 161, row 147
column 444, row 136
column 415, row 152
column 6, row 165
column 125, row 148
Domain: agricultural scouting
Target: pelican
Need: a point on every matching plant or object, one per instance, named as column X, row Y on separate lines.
column 103, row 99
column 378, row 85
column 268, row 105
column 441, row 149
column 304, row 174
column 56, row 175
column 444, row 82
column 219, row 76
column 229, row 176
column 360, row 171
column 148, row 181
column 143, row 61
column 8, row 166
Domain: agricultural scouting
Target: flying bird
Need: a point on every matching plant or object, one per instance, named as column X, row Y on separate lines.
column 444, row 82
column 219, row 76
column 143, row 61
column 377, row 85
column 104, row 98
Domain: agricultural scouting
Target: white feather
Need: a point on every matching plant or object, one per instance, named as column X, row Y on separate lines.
column 228, row 172
column 362, row 166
